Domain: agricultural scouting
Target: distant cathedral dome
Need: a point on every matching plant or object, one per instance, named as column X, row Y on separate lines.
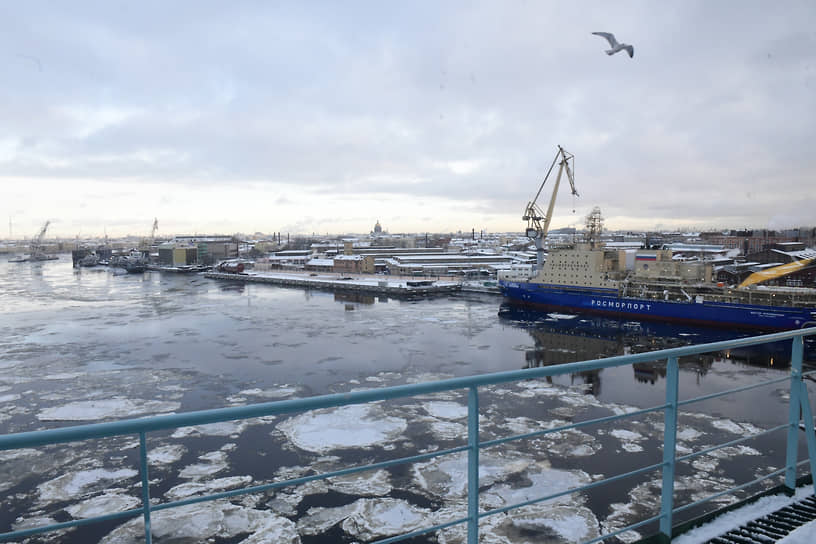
column 377, row 227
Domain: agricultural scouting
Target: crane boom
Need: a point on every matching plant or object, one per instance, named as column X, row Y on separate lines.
column 36, row 243
column 538, row 222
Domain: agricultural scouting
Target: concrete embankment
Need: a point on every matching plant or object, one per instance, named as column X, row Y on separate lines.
column 377, row 286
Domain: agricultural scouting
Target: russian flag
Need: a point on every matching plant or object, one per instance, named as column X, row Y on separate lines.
column 646, row 257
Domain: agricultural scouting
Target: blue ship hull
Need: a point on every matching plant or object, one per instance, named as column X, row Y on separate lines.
column 607, row 302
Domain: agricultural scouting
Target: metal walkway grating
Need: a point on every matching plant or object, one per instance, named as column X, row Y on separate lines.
column 773, row 526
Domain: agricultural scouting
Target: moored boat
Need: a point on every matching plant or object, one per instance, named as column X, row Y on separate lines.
column 595, row 280
column 647, row 284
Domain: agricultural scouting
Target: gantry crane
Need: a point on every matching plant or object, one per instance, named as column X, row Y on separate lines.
column 538, row 222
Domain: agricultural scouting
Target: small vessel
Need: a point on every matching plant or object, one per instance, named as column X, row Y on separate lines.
column 133, row 263
column 36, row 249
column 180, row 269
column 91, row 259
column 651, row 284
column 33, row 258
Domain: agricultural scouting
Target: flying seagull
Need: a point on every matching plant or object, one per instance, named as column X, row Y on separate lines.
column 613, row 43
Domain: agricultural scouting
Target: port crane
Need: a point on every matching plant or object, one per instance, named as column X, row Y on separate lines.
column 538, row 222
column 36, row 247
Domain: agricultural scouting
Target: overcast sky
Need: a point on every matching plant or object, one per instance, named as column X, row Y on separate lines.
column 223, row 117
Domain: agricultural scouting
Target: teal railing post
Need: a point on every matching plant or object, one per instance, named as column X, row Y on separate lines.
column 473, row 466
column 669, row 453
column 145, row 485
column 797, row 355
column 792, row 448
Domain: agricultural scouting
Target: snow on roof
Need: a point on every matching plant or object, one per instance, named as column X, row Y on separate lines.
column 624, row 245
column 349, row 258
column 806, row 253
column 767, row 265
column 284, row 258
column 452, row 257
column 320, row 262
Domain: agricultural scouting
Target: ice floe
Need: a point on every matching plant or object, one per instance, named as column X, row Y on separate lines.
column 629, row 439
column 446, row 410
column 116, row 407
column 374, row 483
column 734, row 427
column 355, row 426
column 73, row 484
column 9, row 398
column 107, row 503
column 165, row 455
column 189, row 489
column 448, row 430
column 376, row 518
column 205, row 522
column 224, row 428
column 367, row 519
column 281, row 392
column 215, row 462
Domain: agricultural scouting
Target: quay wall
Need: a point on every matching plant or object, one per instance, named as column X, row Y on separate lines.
column 399, row 289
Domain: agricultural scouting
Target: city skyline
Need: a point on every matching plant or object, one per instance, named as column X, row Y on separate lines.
column 432, row 118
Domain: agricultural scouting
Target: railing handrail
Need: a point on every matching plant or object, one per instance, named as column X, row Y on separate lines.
column 798, row 402
column 217, row 415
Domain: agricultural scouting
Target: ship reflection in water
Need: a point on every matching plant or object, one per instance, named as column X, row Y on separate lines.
column 565, row 338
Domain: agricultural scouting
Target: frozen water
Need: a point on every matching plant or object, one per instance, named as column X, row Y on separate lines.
column 627, row 436
column 446, row 410
column 216, row 461
column 261, row 395
column 448, row 430
column 686, row 433
column 183, row 491
column 319, row 520
column 734, row 427
column 376, row 518
column 570, row 523
column 73, row 484
column 630, row 440
column 224, row 428
column 532, row 524
column 165, row 455
column 203, row 522
column 355, row 426
column 107, row 503
column 541, row 480
column 117, row 407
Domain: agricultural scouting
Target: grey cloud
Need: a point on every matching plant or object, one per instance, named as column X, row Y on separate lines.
column 364, row 100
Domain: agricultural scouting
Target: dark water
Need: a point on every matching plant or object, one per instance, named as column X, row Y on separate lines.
column 78, row 346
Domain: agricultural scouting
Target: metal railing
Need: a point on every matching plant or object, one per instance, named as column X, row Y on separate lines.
column 800, row 409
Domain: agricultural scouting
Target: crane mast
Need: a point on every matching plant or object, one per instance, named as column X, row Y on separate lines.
column 35, row 249
column 538, row 222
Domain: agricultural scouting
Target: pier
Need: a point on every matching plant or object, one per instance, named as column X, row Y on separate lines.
column 379, row 285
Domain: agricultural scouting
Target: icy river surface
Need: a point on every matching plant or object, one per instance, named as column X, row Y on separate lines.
column 86, row 346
